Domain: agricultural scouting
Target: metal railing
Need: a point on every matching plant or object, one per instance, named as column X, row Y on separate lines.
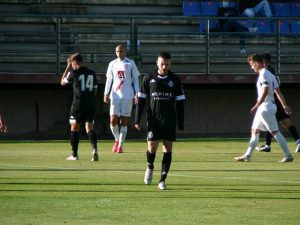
column 69, row 32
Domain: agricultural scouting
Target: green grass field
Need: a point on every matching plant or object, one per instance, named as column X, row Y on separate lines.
column 205, row 186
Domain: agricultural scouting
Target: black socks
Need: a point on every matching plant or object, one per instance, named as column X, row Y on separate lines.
column 165, row 165
column 74, row 142
column 93, row 139
column 150, row 159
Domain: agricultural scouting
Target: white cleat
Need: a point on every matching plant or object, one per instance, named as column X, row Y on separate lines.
column 148, row 176
column 162, row 185
column 95, row 156
column 297, row 148
column 72, row 158
column 288, row 158
column 264, row 148
column 244, row 158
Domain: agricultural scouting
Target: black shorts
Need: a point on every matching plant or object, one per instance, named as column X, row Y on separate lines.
column 83, row 114
column 156, row 132
column 281, row 114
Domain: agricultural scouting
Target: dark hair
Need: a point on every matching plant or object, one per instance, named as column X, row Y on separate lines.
column 256, row 58
column 266, row 56
column 77, row 58
column 165, row 55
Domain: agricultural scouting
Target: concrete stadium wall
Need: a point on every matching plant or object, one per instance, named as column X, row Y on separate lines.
column 211, row 111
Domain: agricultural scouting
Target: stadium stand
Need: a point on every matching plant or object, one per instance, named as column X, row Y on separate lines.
column 263, row 26
column 209, row 8
column 24, row 37
column 213, row 25
column 281, row 8
column 295, row 8
column 36, row 36
column 284, row 26
column 247, row 23
column 295, row 27
column 191, row 8
column 93, row 7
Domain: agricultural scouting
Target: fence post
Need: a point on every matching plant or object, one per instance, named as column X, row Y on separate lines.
column 133, row 36
column 134, row 44
column 278, row 49
column 58, row 39
column 207, row 67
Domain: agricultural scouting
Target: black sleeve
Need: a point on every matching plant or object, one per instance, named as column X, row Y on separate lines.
column 139, row 110
column 143, row 95
column 180, row 114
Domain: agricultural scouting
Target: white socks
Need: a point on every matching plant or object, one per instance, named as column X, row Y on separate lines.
column 252, row 144
column 115, row 131
column 282, row 142
column 123, row 133
column 119, row 135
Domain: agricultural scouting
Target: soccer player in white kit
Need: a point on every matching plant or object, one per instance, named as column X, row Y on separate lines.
column 121, row 88
column 265, row 110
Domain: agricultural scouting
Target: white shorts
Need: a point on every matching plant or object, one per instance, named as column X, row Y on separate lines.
column 121, row 107
column 265, row 120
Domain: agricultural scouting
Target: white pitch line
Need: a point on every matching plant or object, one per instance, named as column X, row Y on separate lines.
column 236, row 178
column 171, row 174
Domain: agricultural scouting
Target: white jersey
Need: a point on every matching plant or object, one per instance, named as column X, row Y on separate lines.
column 266, row 79
column 122, row 79
column 264, row 118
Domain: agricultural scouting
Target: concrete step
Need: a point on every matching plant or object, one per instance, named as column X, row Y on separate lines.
column 93, row 7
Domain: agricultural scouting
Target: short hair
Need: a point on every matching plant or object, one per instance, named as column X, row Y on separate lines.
column 165, row 55
column 120, row 46
column 255, row 58
column 77, row 58
column 266, row 56
column 250, row 58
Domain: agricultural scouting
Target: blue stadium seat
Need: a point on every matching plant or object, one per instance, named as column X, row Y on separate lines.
column 295, row 27
column 295, row 8
column 284, row 27
column 213, row 26
column 209, row 8
column 191, row 8
column 263, row 26
column 281, row 9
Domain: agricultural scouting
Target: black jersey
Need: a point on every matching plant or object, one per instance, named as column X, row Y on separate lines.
column 162, row 93
column 84, row 84
column 226, row 12
column 280, row 113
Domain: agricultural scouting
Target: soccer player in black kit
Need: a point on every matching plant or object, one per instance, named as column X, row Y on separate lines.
column 83, row 106
column 163, row 91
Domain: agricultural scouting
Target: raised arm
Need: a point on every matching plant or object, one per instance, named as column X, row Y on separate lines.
column 64, row 80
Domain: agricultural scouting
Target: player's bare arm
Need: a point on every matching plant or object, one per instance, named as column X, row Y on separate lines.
column 138, row 127
column 3, row 127
column 106, row 99
column 67, row 70
column 281, row 98
column 135, row 100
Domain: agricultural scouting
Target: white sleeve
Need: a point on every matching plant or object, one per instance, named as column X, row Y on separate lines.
column 136, row 85
column 109, row 80
column 135, row 77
